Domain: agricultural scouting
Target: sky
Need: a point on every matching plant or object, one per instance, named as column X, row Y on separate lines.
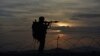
column 74, row 13
column 16, row 17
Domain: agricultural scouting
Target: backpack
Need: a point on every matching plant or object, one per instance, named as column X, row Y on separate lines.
column 38, row 30
column 34, row 30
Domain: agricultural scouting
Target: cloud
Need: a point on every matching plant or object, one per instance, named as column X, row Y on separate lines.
column 77, row 10
column 87, row 15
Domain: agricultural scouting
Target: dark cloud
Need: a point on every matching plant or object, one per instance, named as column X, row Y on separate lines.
column 5, row 13
column 74, row 18
column 83, row 30
column 93, row 1
column 87, row 15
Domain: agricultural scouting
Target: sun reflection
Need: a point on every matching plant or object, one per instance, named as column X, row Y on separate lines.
column 61, row 35
column 56, row 31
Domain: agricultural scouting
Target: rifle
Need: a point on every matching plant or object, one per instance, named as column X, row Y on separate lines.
column 49, row 23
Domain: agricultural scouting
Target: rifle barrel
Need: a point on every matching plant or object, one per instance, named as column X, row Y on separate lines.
column 51, row 21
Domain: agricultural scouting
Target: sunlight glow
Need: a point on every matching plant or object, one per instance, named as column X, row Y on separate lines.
column 62, row 24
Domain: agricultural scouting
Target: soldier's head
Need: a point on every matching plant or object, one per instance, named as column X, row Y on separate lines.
column 41, row 19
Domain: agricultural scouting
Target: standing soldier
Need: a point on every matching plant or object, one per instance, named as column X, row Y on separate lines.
column 39, row 30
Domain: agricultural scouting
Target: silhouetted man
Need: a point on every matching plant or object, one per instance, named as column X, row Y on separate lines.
column 39, row 30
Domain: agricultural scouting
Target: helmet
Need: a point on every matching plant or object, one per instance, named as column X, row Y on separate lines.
column 41, row 19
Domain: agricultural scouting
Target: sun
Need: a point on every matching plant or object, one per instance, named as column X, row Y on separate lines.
column 62, row 24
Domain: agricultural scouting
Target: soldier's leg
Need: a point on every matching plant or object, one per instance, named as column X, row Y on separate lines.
column 42, row 44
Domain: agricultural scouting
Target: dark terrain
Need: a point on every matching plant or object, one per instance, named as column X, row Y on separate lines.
column 52, row 52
